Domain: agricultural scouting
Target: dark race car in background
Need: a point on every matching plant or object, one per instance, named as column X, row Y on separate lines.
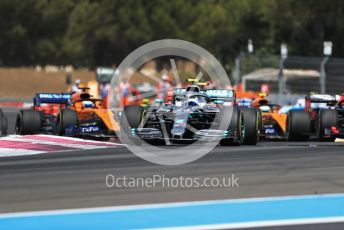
column 322, row 118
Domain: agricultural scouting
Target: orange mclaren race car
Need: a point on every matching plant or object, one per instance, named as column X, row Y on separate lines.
column 273, row 123
column 87, row 116
column 78, row 114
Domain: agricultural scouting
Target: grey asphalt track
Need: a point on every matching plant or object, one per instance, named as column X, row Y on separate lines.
column 77, row 179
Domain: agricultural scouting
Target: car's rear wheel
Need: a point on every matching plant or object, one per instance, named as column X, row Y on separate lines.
column 28, row 122
column 298, row 126
column 65, row 119
column 3, row 124
column 328, row 118
column 251, row 123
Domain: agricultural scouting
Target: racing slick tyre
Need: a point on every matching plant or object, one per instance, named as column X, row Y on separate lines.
column 28, row 122
column 298, row 126
column 66, row 118
column 251, row 123
column 237, row 124
column 3, row 123
column 133, row 114
column 328, row 118
column 131, row 118
column 260, row 124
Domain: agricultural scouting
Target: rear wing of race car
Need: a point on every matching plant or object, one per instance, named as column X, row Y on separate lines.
column 51, row 98
column 220, row 94
column 245, row 102
column 320, row 101
column 322, row 98
column 213, row 94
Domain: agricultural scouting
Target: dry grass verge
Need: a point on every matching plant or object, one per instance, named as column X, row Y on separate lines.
column 23, row 83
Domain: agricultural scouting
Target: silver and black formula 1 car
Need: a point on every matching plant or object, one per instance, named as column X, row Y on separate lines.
column 193, row 114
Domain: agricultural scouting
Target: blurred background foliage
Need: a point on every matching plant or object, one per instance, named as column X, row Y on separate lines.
column 92, row 33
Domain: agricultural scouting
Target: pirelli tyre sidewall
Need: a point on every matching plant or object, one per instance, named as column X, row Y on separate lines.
column 66, row 118
column 236, row 124
column 28, row 122
column 131, row 118
column 327, row 119
column 298, row 126
column 134, row 114
column 3, row 124
column 251, row 122
column 259, row 119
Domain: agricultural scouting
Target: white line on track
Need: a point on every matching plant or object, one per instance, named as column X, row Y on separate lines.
column 31, row 144
column 258, row 224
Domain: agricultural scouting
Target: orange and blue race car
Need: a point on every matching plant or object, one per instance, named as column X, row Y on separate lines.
column 77, row 114
column 273, row 124
column 87, row 116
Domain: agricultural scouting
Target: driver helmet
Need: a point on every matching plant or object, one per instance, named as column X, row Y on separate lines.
column 87, row 104
column 265, row 109
column 193, row 101
column 193, row 88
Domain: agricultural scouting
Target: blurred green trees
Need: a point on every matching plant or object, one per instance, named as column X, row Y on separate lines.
column 90, row 33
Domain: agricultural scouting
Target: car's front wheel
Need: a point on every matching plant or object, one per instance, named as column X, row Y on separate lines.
column 65, row 119
column 236, row 124
column 251, row 122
